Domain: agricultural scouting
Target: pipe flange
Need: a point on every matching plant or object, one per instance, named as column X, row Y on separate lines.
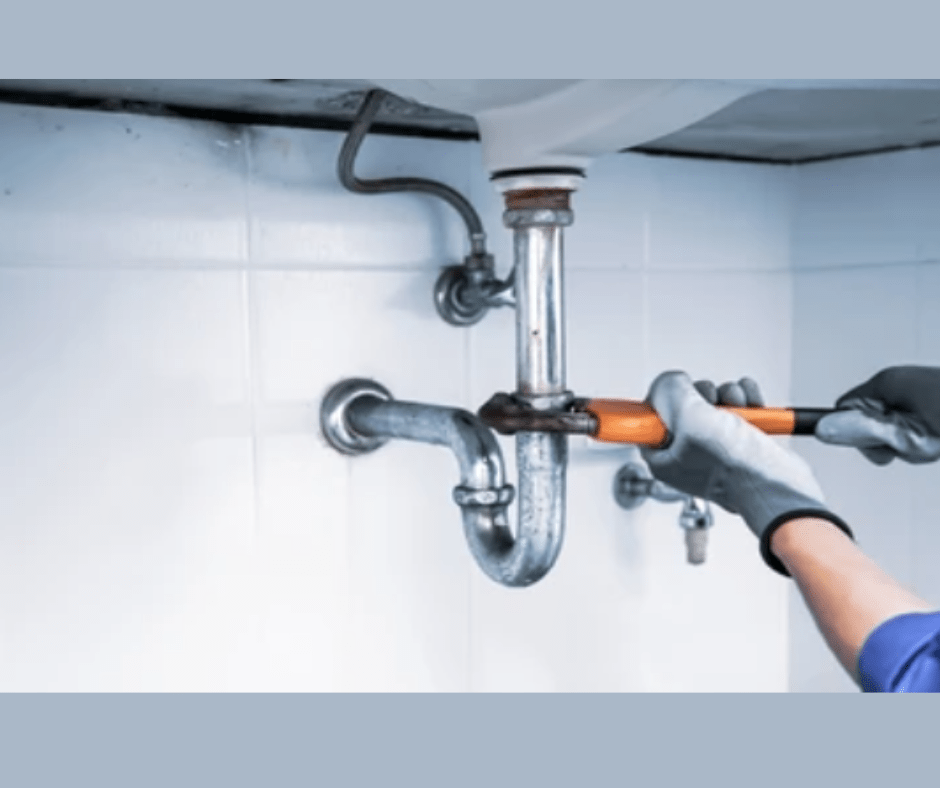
column 467, row 496
column 632, row 485
column 450, row 298
column 333, row 421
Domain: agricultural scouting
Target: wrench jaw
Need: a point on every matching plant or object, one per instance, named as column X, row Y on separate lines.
column 508, row 414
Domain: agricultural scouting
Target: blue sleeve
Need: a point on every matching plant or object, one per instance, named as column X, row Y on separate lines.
column 902, row 655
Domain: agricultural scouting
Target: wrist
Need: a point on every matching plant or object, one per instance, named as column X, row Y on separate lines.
column 805, row 532
column 769, row 544
column 792, row 534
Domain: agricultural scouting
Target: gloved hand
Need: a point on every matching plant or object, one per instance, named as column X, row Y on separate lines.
column 716, row 455
column 895, row 414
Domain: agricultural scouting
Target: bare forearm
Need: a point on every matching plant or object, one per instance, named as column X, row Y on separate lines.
column 847, row 593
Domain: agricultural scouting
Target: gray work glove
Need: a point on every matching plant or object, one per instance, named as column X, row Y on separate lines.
column 716, row 455
column 895, row 414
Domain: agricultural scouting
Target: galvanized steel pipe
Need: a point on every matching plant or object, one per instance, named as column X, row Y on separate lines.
column 537, row 219
column 358, row 416
column 540, row 317
column 474, row 446
column 512, row 559
column 483, row 495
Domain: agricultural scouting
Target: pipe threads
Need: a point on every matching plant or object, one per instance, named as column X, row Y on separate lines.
column 539, row 199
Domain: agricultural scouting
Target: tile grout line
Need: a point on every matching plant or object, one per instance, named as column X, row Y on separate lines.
column 855, row 267
column 251, row 338
column 174, row 265
column 645, row 319
column 249, row 330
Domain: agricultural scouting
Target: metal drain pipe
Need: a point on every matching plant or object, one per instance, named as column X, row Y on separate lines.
column 359, row 416
column 537, row 210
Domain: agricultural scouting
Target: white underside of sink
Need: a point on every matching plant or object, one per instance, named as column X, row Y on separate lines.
column 527, row 124
column 536, row 123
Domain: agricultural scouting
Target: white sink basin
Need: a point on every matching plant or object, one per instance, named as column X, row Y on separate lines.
column 565, row 123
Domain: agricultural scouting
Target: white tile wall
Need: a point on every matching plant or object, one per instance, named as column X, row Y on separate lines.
column 126, row 190
column 596, row 242
column 393, row 569
column 709, row 217
column 173, row 520
column 870, row 210
column 722, row 325
column 301, row 215
column 127, row 526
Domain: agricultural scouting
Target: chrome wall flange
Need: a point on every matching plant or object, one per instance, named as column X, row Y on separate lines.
column 463, row 294
column 451, row 300
column 634, row 485
column 334, row 423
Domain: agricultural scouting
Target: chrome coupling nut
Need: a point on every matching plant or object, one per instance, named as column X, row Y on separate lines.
column 467, row 496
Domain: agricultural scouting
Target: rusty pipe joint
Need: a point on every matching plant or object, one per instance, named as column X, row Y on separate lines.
column 538, row 208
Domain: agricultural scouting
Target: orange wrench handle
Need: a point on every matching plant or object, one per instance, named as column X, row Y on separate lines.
column 628, row 421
